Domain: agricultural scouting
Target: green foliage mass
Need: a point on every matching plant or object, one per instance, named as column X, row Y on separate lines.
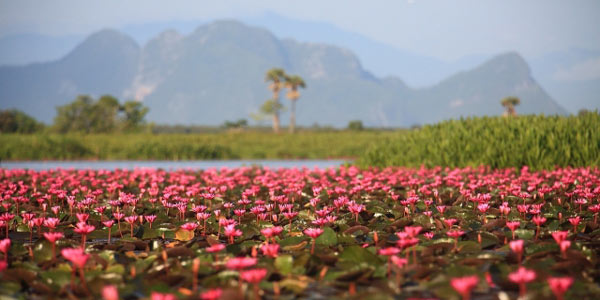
column 223, row 145
column 540, row 142
column 355, row 125
column 16, row 121
column 86, row 115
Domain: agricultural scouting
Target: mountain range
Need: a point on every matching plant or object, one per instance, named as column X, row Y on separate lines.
column 216, row 73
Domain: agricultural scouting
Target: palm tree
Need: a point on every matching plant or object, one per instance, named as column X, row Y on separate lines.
column 275, row 77
column 509, row 103
column 293, row 83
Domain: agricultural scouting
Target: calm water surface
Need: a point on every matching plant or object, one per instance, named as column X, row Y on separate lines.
column 170, row 165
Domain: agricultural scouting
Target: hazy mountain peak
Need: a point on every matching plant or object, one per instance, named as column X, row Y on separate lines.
column 169, row 35
column 511, row 62
column 107, row 43
column 107, row 37
column 229, row 27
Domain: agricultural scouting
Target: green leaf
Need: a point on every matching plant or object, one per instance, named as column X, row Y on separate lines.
column 150, row 233
column 294, row 240
column 119, row 269
column 357, row 254
column 284, row 264
column 43, row 251
column 525, row 234
column 294, row 285
column 469, row 247
column 328, row 238
column 184, row 235
column 56, row 277
column 488, row 239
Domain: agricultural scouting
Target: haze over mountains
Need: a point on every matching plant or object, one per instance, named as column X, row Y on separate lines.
column 216, row 73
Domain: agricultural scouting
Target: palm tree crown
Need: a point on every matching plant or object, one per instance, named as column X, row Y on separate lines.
column 293, row 82
column 509, row 103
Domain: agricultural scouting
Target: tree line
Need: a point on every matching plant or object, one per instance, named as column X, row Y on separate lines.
column 83, row 115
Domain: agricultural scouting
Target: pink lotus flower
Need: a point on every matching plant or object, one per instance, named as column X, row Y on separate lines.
column 441, row 208
column 522, row 276
column 270, row 250
column 560, row 236
column 538, row 220
column 76, row 256
column 110, row 292
column 355, row 209
column 4, row 247
column 82, row 217
column 513, row 225
column 108, row 224
column 253, row 276
column 231, row 232
column 575, row 221
column 131, row 220
column 455, row 234
column 483, row 207
column 271, row 232
column 413, row 231
column 118, row 215
column 450, row 222
column 238, row 263
column 150, row 219
column 215, row 248
column 52, row 237
column 389, row 251
column 83, row 229
column 161, row 296
column 398, row 261
column 51, row 223
column 517, row 247
column 314, row 233
column 504, row 209
column 191, row 226
column 464, row 285
column 213, row 294
column 560, row 285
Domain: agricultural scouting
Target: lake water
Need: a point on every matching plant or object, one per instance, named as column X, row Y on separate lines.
column 170, row 165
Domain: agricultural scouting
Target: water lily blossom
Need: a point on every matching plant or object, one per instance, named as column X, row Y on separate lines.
column 314, row 233
column 464, row 285
column 560, row 285
column 522, row 276
column 517, row 247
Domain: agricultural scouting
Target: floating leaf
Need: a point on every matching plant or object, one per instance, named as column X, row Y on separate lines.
column 184, row 235
column 525, row 234
column 284, row 264
column 293, row 285
column 357, row 254
column 328, row 238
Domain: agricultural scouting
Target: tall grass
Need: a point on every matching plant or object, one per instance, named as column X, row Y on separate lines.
column 540, row 142
column 227, row 145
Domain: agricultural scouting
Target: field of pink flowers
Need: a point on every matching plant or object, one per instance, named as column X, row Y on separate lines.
column 258, row 233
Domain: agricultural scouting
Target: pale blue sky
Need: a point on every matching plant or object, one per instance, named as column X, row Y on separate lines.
column 446, row 29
